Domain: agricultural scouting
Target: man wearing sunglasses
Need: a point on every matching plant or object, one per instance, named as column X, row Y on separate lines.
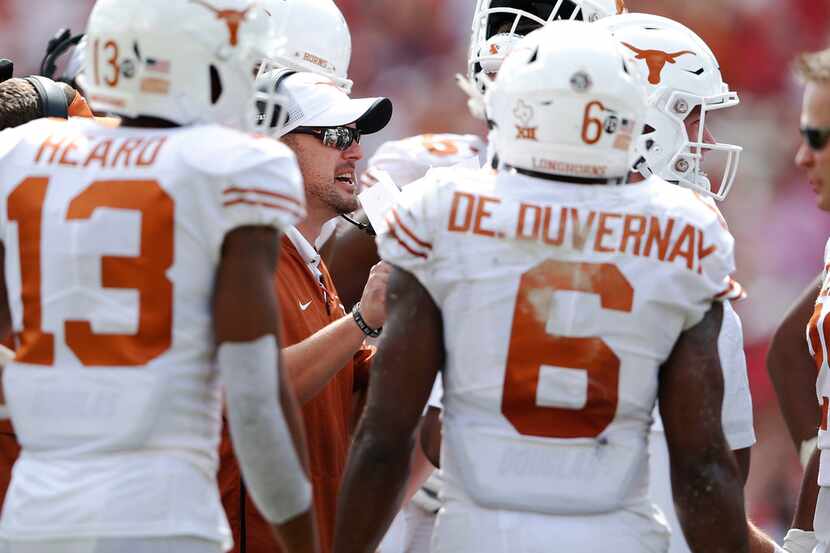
column 324, row 354
column 811, row 524
column 789, row 363
column 814, row 155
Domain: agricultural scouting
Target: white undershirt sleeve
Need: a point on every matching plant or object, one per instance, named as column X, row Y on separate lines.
column 260, row 433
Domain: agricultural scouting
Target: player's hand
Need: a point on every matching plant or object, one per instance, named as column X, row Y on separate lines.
column 373, row 300
column 799, row 541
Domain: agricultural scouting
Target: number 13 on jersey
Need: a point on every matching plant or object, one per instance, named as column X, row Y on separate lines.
column 145, row 273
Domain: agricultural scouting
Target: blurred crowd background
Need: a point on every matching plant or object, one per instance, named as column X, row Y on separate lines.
column 410, row 50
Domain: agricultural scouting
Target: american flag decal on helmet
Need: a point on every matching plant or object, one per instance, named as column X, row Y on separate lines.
column 158, row 66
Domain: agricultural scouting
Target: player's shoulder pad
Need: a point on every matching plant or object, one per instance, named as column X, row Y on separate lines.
column 432, row 149
column 716, row 246
column 417, row 221
column 33, row 132
column 216, row 150
column 451, row 178
column 9, row 139
column 435, row 189
column 406, row 160
column 685, row 204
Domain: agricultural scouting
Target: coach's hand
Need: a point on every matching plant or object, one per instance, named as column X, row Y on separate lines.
column 373, row 300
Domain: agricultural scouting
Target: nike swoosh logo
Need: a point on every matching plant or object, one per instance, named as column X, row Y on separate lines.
column 304, row 306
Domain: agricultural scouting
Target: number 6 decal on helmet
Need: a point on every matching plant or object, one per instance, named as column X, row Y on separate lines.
column 531, row 348
column 590, row 121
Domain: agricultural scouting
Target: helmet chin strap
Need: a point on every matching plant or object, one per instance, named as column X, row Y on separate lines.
column 641, row 167
column 703, row 181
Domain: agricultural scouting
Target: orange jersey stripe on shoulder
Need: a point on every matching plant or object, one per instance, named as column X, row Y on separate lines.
column 238, row 190
column 404, row 244
column 243, row 201
column 733, row 292
column 713, row 209
column 411, row 234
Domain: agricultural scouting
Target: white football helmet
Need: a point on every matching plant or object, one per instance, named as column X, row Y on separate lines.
column 499, row 24
column 567, row 102
column 683, row 77
column 318, row 39
column 185, row 61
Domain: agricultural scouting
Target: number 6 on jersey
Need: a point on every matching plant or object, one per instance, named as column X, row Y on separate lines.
column 532, row 348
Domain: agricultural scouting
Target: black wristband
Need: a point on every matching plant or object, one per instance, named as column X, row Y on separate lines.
column 361, row 324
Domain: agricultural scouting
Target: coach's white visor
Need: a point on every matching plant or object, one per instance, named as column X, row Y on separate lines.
column 315, row 101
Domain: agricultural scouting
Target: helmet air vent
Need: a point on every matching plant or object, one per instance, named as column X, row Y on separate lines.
column 534, row 56
column 215, row 85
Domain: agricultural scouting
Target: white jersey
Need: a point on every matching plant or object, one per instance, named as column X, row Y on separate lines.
column 736, row 415
column 409, row 159
column 736, row 420
column 405, row 161
column 112, row 240
column 818, row 340
column 560, row 302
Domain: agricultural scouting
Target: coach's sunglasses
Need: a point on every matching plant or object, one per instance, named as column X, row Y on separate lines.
column 816, row 138
column 341, row 138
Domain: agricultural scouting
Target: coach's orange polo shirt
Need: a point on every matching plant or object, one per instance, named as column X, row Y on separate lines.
column 308, row 302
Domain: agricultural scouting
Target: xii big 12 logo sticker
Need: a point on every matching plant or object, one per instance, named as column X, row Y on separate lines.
column 523, row 113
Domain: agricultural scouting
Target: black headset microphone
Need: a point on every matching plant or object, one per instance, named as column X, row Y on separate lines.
column 58, row 46
column 51, row 95
column 6, row 70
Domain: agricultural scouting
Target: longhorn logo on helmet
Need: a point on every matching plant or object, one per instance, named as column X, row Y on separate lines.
column 232, row 18
column 656, row 60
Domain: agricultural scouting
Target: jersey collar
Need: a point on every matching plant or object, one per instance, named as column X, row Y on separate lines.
column 305, row 249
